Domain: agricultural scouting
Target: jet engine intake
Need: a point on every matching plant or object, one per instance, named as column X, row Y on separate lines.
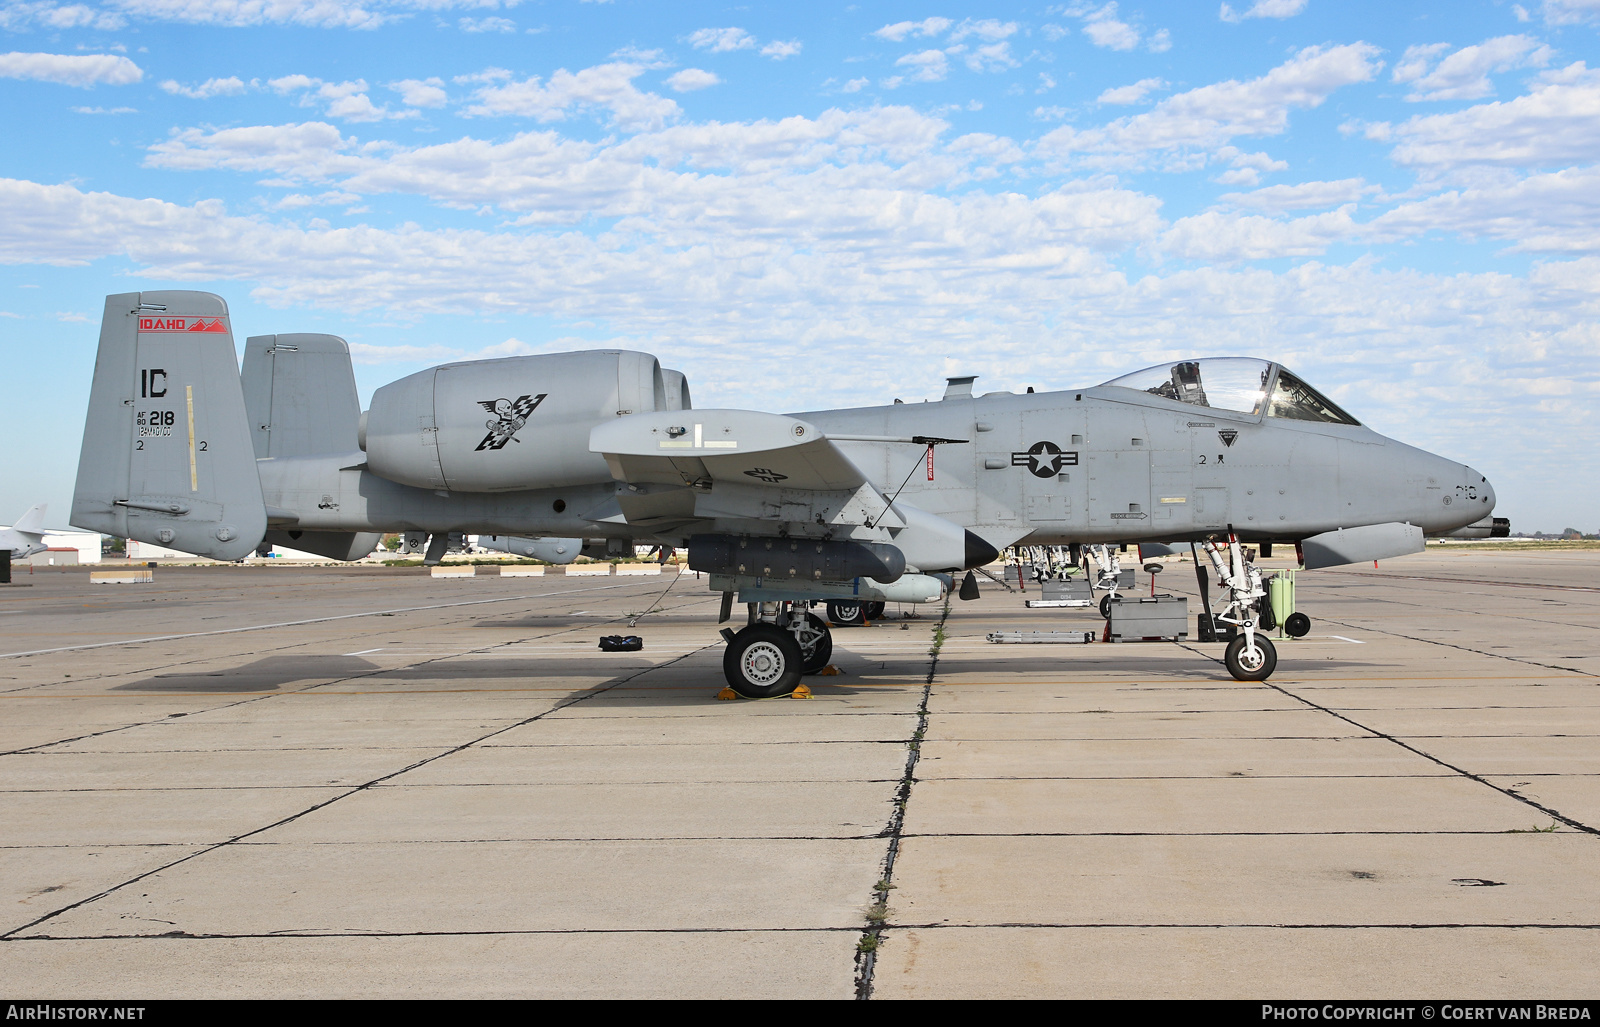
column 780, row 559
column 511, row 424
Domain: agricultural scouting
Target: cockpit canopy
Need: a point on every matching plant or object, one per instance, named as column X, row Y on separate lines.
column 1243, row 384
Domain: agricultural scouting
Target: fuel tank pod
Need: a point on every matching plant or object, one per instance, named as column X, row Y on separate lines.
column 510, row 424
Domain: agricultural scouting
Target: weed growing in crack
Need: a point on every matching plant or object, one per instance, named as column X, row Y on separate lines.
column 868, row 943
column 878, row 912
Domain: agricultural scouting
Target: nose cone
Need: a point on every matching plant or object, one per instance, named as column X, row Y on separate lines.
column 1486, row 496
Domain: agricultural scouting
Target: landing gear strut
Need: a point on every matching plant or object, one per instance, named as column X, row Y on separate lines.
column 1103, row 568
column 1251, row 656
column 782, row 641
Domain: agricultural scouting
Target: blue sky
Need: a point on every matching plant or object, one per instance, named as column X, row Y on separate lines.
column 831, row 205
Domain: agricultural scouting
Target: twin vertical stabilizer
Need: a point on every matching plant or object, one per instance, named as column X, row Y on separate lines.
column 167, row 454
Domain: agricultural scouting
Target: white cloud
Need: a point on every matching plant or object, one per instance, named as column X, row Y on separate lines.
column 1571, row 12
column 334, row 198
column 855, row 85
column 1464, row 75
column 310, row 151
column 779, row 50
column 901, row 29
column 605, row 86
column 988, row 29
column 1229, row 238
column 1054, row 32
column 356, row 14
column 427, row 92
column 1556, row 123
column 1212, row 115
column 1105, row 29
column 230, row 86
column 1264, row 9
column 721, row 40
column 487, row 25
column 1547, row 213
column 926, row 65
column 347, row 101
column 990, row 57
column 106, row 110
column 1304, row 195
column 690, row 79
column 70, row 69
column 18, row 15
column 1126, row 95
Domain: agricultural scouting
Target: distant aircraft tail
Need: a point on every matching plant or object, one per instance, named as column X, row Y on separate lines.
column 167, row 455
column 32, row 522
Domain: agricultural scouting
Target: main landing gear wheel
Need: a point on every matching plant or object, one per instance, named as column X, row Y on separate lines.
column 762, row 662
column 1105, row 605
column 847, row 614
column 1246, row 664
column 816, row 645
column 873, row 611
column 1297, row 624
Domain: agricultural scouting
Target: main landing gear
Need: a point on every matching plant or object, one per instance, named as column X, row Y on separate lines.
column 1250, row 656
column 782, row 641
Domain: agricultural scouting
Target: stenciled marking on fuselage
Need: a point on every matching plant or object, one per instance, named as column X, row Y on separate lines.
column 1045, row 459
column 510, row 416
column 767, row 475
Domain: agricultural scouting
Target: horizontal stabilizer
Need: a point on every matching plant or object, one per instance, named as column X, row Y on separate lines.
column 1357, row 545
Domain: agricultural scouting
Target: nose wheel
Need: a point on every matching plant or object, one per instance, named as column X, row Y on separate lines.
column 1251, row 660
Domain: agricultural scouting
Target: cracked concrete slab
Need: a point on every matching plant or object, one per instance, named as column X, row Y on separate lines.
column 474, row 801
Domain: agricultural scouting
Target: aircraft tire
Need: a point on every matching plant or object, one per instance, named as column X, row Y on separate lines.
column 1297, row 624
column 1105, row 605
column 762, row 662
column 874, row 611
column 1251, row 667
column 845, row 614
column 816, row 645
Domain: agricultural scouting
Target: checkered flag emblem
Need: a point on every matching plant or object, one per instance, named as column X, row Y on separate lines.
column 509, row 417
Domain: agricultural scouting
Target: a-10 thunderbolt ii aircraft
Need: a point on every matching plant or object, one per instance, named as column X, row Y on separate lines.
column 603, row 448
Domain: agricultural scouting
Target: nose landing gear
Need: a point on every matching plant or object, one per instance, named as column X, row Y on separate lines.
column 1250, row 656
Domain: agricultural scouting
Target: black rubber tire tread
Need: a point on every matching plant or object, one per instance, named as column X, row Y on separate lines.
column 873, row 611
column 1297, row 625
column 857, row 614
column 774, row 638
column 1105, row 605
column 820, row 653
column 1236, row 668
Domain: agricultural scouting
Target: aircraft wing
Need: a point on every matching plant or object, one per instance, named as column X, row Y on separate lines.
column 743, row 470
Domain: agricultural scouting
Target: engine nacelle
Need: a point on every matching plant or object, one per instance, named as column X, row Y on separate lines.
column 510, row 424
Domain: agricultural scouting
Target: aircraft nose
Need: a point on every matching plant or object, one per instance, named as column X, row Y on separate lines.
column 1485, row 490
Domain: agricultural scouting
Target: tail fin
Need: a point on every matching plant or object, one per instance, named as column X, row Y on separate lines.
column 167, row 455
column 300, row 394
column 32, row 522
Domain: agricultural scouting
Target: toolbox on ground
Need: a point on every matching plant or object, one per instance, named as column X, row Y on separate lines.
column 1072, row 588
column 1149, row 619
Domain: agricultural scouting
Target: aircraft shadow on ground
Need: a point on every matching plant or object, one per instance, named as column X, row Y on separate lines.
column 637, row 680
column 264, row 675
